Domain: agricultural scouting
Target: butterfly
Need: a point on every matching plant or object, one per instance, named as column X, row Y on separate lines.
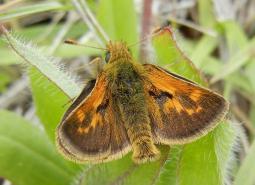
column 133, row 107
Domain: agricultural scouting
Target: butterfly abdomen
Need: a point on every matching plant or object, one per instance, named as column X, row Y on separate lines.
column 128, row 94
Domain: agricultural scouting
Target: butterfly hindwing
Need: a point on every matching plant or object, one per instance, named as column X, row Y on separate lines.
column 90, row 129
column 180, row 111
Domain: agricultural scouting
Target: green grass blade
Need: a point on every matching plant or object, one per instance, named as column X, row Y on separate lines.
column 119, row 20
column 203, row 49
column 236, row 61
column 28, row 157
column 205, row 14
column 111, row 19
column 31, row 9
column 235, row 36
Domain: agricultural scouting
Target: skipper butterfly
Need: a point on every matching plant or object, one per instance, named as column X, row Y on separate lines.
column 132, row 107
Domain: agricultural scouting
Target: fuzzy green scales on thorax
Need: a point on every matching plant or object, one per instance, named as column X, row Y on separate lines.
column 125, row 81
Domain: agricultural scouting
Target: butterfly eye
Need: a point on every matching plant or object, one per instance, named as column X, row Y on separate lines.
column 107, row 56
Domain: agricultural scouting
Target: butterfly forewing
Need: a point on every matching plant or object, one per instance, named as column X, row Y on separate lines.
column 89, row 130
column 180, row 111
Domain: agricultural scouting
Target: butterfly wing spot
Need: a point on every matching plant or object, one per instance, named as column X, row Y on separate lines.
column 176, row 104
column 80, row 115
column 161, row 97
column 102, row 107
column 194, row 111
column 195, row 95
column 96, row 121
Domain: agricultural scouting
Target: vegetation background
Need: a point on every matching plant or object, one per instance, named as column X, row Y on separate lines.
column 216, row 35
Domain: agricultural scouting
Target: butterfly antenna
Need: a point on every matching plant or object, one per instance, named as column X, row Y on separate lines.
column 74, row 42
column 143, row 39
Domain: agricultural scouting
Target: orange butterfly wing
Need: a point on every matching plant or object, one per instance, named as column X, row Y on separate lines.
column 90, row 129
column 180, row 111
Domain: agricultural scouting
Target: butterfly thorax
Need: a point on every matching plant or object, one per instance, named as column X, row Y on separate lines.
column 128, row 93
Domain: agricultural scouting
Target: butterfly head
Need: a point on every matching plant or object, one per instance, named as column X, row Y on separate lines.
column 116, row 51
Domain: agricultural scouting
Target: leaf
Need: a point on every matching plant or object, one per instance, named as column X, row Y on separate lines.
column 51, row 86
column 169, row 170
column 7, row 57
column 49, row 100
column 235, row 36
column 203, row 49
column 5, row 79
column 205, row 13
column 119, row 20
column 30, row 9
column 249, row 73
column 168, row 54
column 35, row 33
column 245, row 175
column 211, row 66
column 48, row 66
column 27, row 156
column 239, row 49
column 236, row 61
column 124, row 171
column 240, row 82
column 209, row 155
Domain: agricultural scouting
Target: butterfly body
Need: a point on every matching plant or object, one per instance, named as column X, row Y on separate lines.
column 133, row 107
column 128, row 97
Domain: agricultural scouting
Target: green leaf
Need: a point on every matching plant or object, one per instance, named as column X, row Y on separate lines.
column 203, row 49
column 169, row 170
column 245, row 175
column 235, row 36
column 124, row 171
column 31, row 9
column 119, row 20
column 7, row 57
column 238, row 48
column 240, row 82
column 211, row 66
column 236, row 61
column 168, row 54
column 51, row 86
column 111, row 14
column 5, row 79
column 205, row 13
column 48, row 66
column 49, row 100
column 27, row 156
column 249, row 73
